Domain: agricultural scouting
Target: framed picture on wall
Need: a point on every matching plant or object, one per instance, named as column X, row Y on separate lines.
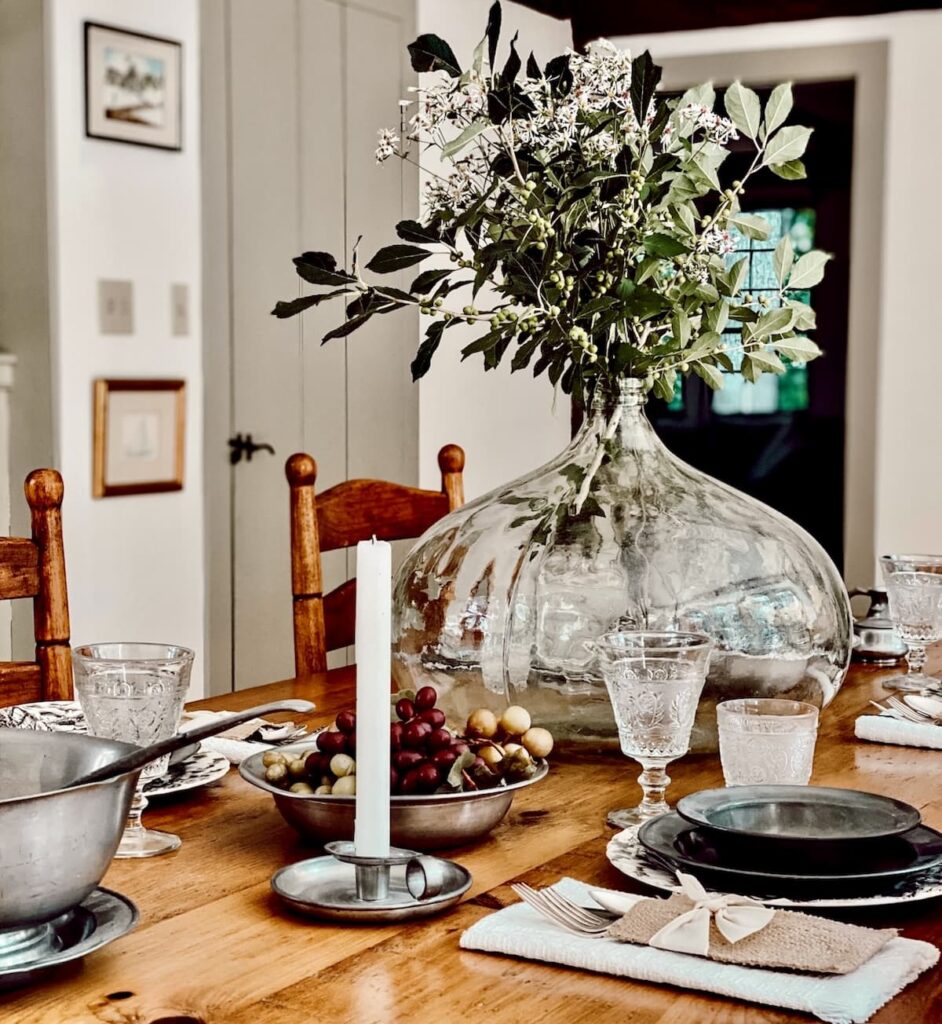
column 139, row 430
column 133, row 87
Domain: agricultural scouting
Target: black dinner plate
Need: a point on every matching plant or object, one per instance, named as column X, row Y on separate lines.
column 838, row 868
column 798, row 814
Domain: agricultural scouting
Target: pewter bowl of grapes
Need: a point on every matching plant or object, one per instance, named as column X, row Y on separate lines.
column 450, row 786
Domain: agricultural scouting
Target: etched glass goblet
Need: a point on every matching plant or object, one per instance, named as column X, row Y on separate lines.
column 135, row 693
column 914, row 587
column 654, row 681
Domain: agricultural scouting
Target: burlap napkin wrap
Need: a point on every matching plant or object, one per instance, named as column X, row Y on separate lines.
column 790, row 941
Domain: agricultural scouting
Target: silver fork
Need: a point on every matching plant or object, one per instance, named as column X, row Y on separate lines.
column 563, row 912
column 910, row 714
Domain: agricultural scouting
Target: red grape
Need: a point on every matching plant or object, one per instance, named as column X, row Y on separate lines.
column 460, row 747
column 410, row 782
column 346, row 721
column 352, row 742
column 406, row 759
column 444, row 759
column 393, row 780
column 479, row 762
column 434, row 716
column 395, row 735
column 425, row 698
column 332, row 742
column 415, row 734
column 316, row 765
column 405, row 709
column 438, row 739
column 427, row 778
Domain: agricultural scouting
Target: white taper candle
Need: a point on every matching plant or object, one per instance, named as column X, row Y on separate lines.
column 373, row 653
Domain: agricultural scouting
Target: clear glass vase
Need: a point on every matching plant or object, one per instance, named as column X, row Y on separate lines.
column 495, row 603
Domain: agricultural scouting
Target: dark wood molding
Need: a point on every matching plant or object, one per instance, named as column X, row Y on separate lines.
column 594, row 18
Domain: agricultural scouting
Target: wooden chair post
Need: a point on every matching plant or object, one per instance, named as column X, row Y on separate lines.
column 44, row 491
column 307, row 585
column 451, row 463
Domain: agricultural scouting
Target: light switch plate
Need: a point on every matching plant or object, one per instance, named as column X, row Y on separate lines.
column 116, row 307
column 179, row 310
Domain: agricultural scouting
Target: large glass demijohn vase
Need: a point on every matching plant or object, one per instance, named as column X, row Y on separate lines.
column 497, row 602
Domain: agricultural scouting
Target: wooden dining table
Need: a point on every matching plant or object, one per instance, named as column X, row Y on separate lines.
column 214, row 945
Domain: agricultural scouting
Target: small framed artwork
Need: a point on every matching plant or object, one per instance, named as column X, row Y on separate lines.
column 138, row 436
column 133, row 87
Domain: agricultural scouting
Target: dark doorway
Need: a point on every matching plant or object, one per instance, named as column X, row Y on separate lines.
column 782, row 439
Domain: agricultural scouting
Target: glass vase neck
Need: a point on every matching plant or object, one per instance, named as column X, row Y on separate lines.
column 625, row 393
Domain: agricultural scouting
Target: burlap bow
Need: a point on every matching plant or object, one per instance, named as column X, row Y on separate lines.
column 736, row 918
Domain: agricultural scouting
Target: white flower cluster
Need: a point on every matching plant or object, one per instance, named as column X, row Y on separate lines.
column 717, row 240
column 387, row 144
column 461, row 188
column 715, row 128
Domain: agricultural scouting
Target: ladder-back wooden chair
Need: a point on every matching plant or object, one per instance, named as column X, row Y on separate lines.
column 339, row 518
column 35, row 567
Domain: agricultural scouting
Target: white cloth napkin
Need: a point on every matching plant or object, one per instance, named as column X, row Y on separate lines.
column 837, row 999
column 235, row 750
column 886, row 729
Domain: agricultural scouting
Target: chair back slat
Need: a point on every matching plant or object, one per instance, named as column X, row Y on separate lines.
column 21, row 682
column 19, row 568
column 339, row 518
column 35, row 567
column 360, row 509
column 340, row 608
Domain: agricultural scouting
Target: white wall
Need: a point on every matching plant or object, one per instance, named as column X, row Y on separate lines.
column 908, row 487
column 506, row 423
column 135, row 564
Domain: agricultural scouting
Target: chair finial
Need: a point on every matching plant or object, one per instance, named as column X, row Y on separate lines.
column 451, row 459
column 301, row 470
column 44, row 488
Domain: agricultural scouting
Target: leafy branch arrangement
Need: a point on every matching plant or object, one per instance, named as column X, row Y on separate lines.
column 594, row 211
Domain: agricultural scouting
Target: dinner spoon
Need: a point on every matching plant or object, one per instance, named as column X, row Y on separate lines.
column 144, row 755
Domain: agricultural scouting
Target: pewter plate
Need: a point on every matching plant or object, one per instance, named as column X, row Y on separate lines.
column 627, row 855
column 325, row 887
column 879, row 864
column 99, row 919
column 798, row 813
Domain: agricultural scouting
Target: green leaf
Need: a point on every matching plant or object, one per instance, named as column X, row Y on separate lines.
column 782, row 260
column 709, row 341
column 645, row 75
column 736, row 275
column 710, row 374
column 680, row 328
column 749, row 370
column 493, row 31
column 348, row 326
column 427, row 280
column 430, row 53
column 320, row 268
column 413, row 231
column 524, row 353
column 391, row 258
column 717, row 316
column 684, row 219
column 805, row 318
column 792, row 170
column 778, row 107
column 283, row 310
column 786, row 144
column 647, row 268
column 423, row 357
column 751, row 226
column 767, row 361
column 664, row 245
column 809, row 270
column 483, row 344
column 797, row 348
column 744, row 109
column 470, row 133
column 664, row 384
column 774, row 321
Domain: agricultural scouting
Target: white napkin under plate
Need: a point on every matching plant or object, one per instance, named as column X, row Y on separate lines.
column 837, row 999
column 887, row 729
column 237, row 750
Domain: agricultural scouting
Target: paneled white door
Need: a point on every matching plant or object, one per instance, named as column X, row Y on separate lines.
column 307, row 85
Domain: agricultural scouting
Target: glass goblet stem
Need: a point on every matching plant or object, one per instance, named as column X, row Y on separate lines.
column 654, row 781
column 133, row 826
column 915, row 657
